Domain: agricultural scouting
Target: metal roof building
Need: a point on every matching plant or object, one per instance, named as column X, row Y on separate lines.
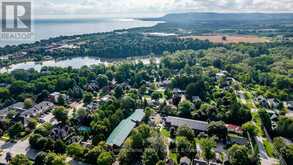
column 121, row 132
column 137, row 116
column 193, row 124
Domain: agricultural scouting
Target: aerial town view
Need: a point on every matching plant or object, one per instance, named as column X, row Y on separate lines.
column 146, row 82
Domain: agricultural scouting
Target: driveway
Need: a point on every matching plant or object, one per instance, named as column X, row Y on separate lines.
column 242, row 97
column 48, row 118
column 74, row 106
column 262, row 152
column 21, row 147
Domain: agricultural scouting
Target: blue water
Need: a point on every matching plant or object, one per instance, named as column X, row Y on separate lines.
column 48, row 28
column 76, row 62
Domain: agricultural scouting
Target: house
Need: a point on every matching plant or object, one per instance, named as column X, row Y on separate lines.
column 61, row 132
column 199, row 162
column 37, row 109
column 233, row 139
column 185, row 161
column 93, row 106
column 272, row 103
column 234, row 128
column 121, row 132
column 177, row 91
column 221, row 74
column 53, row 97
column 196, row 99
column 171, row 121
column 40, row 108
column 17, row 107
column 164, row 83
column 105, row 99
column 92, row 86
column 290, row 105
column 267, row 103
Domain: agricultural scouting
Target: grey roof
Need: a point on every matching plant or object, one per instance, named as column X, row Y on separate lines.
column 199, row 162
column 193, row 124
column 185, row 161
column 55, row 93
column 17, row 106
column 196, row 98
column 38, row 108
column 290, row 104
column 238, row 140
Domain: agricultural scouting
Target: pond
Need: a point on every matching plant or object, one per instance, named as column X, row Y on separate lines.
column 76, row 63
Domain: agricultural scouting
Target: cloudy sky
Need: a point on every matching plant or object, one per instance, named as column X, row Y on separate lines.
column 156, row 7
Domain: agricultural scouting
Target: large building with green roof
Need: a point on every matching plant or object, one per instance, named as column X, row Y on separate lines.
column 121, row 132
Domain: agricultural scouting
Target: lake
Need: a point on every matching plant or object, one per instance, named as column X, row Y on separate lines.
column 76, row 63
column 48, row 28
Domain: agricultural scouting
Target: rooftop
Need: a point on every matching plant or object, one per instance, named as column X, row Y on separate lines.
column 137, row 116
column 17, row 106
column 194, row 124
column 121, row 132
column 38, row 108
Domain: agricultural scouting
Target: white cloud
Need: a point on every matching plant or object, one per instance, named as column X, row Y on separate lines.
column 94, row 7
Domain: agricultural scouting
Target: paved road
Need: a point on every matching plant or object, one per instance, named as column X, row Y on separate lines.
column 262, row 152
column 242, row 97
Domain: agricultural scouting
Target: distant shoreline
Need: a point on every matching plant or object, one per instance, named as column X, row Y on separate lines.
column 45, row 29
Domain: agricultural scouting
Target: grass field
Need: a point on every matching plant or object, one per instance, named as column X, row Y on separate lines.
column 229, row 38
column 165, row 132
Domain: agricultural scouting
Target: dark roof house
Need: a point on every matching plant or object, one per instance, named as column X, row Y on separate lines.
column 290, row 105
column 199, row 162
column 193, row 124
column 39, row 108
column 185, row 161
column 18, row 107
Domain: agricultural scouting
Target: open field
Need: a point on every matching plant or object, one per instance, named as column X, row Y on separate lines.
column 229, row 39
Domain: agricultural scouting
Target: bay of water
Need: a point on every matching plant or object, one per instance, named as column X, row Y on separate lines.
column 76, row 63
column 48, row 28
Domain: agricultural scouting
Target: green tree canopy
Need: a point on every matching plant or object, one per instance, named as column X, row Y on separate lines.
column 185, row 108
column 150, row 156
column 20, row 159
column 105, row 158
column 88, row 98
column 61, row 114
column 207, row 145
column 238, row 155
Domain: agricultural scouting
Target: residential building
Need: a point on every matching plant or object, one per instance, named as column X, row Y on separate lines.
column 185, row 161
column 171, row 121
column 17, row 108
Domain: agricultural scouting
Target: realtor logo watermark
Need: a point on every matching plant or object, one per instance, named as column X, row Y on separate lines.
column 16, row 20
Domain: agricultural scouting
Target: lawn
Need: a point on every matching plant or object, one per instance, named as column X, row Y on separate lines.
column 173, row 156
column 165, row 132
column 5, row 137
column 269, row 148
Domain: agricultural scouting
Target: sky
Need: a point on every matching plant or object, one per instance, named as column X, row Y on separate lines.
column 154, row 7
